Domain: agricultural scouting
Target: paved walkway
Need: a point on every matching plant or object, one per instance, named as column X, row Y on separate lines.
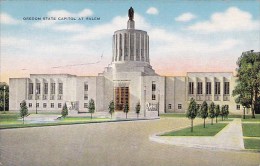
column 230, row 138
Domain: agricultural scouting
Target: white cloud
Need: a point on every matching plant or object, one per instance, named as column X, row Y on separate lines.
column 106, row 30
column 69, row 27
column 65, row 13
column 233, row 19
column 185, row 17
column 152, row 10
column 8, row 19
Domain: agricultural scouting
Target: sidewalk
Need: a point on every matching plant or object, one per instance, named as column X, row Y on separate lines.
column 230, row 138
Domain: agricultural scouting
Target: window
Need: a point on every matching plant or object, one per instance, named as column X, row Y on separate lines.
column 86, row 87
column 37, row 105
column 153, row 97
column 52, row 97
column 38, row 88
column 85, row 105
column 208, row 88
column 199, row 88
column 52, row 88
column 60, row 88
column 238, row 107
column 30, row 105
column 226, row 88
column 217, row 88
column 52, row 105
column 30, row 88
column 191, row 88
column 45, row 88
column 59, row 105
column 153, row 86
column 44, row 105
column 169, row 106
column 179, row 106
column 85, row 96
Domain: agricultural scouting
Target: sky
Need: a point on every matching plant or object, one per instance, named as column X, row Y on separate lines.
column 185, row 36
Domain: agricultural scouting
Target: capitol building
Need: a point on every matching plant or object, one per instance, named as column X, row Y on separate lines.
column 129, row 79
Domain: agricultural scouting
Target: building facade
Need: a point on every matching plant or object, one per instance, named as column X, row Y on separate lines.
column 129, row 80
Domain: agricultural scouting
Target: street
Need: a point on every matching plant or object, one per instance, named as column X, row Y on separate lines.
column 109, row 144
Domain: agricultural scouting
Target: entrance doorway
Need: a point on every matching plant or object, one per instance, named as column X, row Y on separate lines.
column 121, row 97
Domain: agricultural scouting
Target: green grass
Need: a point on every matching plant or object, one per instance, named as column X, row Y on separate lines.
column 10, row 120
column 199, row 130
column 173, row 115
column 251, row 130
column 252, row 143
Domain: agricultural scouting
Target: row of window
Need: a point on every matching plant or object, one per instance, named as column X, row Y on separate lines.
column 179, row 106
column 45, row 88
column 208, row 88
column 44, row 105
column 198, row 105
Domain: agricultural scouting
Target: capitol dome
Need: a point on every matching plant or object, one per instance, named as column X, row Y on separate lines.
column 130, row 44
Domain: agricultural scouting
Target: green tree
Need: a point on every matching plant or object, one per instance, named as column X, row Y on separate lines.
column 222, row 111
column 23, row 110
column 217, row 112
column 4, row 92
column 126, row 109
column 248, row 83
column 64, row 111
column 212, row 111
column 226, row 113
column 192, row 112
column 204, row 111
column 111, row 108
column 137, row 109
column 91, row 107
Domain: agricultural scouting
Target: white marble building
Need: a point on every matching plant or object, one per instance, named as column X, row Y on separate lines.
column 130, row 79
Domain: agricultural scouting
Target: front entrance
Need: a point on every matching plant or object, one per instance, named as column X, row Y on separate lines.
column 121, row 97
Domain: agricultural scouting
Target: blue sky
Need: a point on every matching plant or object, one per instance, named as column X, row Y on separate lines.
column 184, row 35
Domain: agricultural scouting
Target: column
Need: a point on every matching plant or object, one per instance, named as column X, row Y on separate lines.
column 195, row 88
column 222, row 88
column 129, row 46
column 118, row 47
column 123, row 47
column 213, row 88
column 144, row 48
column 140, row 47
column 134, row 46
column 204, row 82
column 148, row 49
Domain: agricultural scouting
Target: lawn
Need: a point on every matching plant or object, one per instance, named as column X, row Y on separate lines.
column 252, row 143
column 199, row 130
column 251, row 129
column 173, row 115
column 11, row 120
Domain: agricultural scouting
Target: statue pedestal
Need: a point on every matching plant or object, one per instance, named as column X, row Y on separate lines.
column 131, row 24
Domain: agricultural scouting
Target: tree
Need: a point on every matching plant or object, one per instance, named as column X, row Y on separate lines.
column 248, row 83
column 126, row 109
column 137, row 109
column 217, row 112
column 23, row 110
column 222, row 111
column 111, row 108
column 212, row 111
column 91, row 107
column 192, row 112
column 2, row 85
column 226, row 113
column 204, row 111
column 64, row 111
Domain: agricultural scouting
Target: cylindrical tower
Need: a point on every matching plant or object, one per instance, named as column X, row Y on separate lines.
column 130, row 44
